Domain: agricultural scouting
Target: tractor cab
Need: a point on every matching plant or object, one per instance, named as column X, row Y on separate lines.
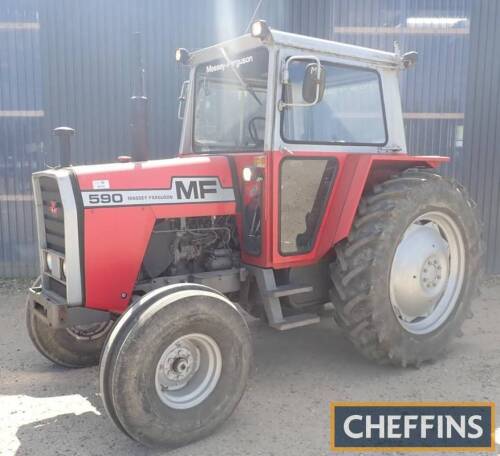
column 272, row 90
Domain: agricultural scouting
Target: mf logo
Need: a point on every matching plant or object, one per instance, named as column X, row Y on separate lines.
column 195, row 188
column 53, row 208
column 183, row 190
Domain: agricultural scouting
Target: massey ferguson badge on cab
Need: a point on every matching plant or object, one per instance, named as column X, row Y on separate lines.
column 292, row 189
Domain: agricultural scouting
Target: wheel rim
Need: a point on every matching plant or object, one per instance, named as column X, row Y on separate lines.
column 92, row 331
column 427, row 273
column 188, row 371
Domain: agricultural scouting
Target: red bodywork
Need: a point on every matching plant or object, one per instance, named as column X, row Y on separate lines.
column 116, row 238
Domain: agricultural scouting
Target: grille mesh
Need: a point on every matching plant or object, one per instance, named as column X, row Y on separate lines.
column 53, row 225
column 53, row 214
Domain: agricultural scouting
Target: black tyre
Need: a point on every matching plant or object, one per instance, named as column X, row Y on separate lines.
column 78, row 346
column 175, row 365
column 405, row 278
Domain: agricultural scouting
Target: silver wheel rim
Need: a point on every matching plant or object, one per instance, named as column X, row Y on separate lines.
column 427, row 273
column 188, row 371
column 92, row 331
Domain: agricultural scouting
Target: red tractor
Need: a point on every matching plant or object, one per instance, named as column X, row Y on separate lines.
column 292, row 189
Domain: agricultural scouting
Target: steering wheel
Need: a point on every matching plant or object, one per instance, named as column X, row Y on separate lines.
column 252, row 130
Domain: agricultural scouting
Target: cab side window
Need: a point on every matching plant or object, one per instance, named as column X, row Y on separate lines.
column 351, row 111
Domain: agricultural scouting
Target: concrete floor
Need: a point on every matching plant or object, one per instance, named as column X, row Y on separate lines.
column 47, row 410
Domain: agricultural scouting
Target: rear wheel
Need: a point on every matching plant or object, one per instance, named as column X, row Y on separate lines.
column 175, row 365
column 405, row 278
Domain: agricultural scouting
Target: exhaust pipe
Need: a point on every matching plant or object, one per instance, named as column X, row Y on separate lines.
column 139, row 102
column 64, row 134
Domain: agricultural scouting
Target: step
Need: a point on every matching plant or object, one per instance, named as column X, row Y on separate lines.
column 288, row 290
column 296, row 321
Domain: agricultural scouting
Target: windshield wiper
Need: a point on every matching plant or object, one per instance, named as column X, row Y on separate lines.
column 238, row 76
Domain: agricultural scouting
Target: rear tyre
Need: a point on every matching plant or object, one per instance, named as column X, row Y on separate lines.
column 176, row 365
column 78, row 346
column 405, row 278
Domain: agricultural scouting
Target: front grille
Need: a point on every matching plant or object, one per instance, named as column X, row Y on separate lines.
column 53, row 214
column 53, row 229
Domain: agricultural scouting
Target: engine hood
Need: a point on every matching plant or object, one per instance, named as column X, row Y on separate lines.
column 155, row 182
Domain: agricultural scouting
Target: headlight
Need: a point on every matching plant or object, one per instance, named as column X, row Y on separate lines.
column 260, row 29
column 252, row 173
column 50, row 260
column 247, row 174
column 182, row 56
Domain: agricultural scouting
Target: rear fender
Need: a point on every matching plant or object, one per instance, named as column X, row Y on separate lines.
column 369, row 171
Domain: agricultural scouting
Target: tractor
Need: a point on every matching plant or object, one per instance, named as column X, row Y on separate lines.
column 292, row 198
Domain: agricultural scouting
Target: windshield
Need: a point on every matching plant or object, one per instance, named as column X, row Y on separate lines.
column 230, row 102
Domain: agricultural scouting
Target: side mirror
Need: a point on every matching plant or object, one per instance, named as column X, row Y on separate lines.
column 409, row 59
column 313, row 83
column 313, row 86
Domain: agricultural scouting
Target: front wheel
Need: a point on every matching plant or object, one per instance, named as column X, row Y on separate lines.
column 405, row 278
column 176, row 365
column 77, row 346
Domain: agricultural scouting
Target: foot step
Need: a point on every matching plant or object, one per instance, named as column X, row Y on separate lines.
column 296, row 321
column 288, row 290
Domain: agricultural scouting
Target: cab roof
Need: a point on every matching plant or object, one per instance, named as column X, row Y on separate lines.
column 303, row 43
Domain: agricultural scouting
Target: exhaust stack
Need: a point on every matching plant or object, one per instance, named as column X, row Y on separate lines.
column 139, row 102
column 64, row 134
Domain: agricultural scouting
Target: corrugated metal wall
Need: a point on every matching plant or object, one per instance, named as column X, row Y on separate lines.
column 433, row 92
column 480, row 170
column 21, row 147
column 68, row 62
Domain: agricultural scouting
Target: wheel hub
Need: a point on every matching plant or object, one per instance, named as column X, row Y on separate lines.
column 91, row 331
column 178, row 365
column 432, row 272
column 427, row 272
column 188, row 371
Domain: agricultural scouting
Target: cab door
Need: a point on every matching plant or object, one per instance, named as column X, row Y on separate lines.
column 303, row 185
column 321, row 139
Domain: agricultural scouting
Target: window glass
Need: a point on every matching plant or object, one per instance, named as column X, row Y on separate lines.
column 305, row 185
column 350, row 112
column 230, row 102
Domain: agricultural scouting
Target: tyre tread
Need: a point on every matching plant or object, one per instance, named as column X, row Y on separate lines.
column 355, row 308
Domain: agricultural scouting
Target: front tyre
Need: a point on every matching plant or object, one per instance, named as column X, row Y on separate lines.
column 405, row 278
column 177, row 366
